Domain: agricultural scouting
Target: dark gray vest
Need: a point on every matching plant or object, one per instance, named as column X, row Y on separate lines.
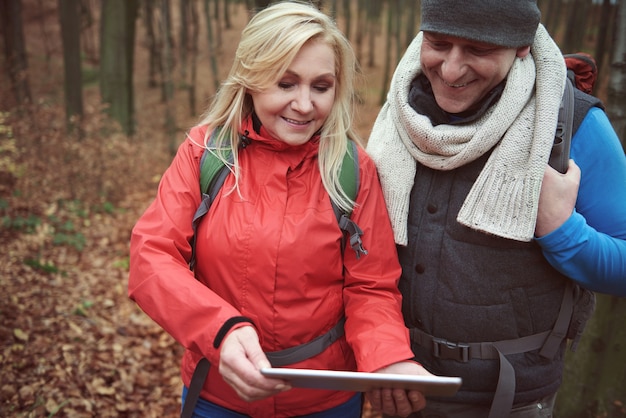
column 464, row 286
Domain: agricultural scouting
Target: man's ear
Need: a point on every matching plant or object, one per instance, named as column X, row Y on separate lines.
column 523, row 51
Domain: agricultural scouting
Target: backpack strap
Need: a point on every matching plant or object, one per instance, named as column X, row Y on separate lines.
column 213, row 172
column 575, row 105
column 548, row 342
column 349, row 178
column 277, row 359
column 559, row 156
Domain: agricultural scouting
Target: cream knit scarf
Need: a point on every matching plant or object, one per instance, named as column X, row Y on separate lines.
column 503, row 200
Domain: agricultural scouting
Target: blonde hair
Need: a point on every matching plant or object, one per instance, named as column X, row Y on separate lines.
column 268, row 45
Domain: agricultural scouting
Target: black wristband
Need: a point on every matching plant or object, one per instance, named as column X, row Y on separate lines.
column 227, row 326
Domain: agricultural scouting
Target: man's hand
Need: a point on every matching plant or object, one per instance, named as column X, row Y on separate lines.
column 557, row 198
column 399, row 402
column 241, row 358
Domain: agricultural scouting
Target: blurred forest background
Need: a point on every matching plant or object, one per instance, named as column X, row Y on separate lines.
column 95, row 96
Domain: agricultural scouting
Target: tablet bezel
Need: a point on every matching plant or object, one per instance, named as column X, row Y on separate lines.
column 362, row 382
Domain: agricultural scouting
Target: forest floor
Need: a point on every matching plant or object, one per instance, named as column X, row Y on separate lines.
column 71, row 342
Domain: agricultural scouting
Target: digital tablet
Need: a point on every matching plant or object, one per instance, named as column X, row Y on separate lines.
column 362, row 382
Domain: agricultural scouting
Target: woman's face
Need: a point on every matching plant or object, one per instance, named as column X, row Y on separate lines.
column 296, row 107
column 461, row 71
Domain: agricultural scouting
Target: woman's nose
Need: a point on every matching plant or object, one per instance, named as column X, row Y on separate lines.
column 302, row 102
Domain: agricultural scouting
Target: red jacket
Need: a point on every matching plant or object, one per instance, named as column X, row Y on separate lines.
column 270, row 253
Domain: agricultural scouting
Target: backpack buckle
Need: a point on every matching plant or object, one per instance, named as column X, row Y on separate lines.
column 445, row 349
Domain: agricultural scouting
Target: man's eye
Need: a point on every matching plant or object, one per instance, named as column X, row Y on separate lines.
column 481, row 51
column 438, row 45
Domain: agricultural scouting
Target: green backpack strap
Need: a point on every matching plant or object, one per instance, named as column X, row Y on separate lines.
column 213, row 172
column 211, row 165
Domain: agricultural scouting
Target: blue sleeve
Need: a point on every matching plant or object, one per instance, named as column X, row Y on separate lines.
column 590, row 247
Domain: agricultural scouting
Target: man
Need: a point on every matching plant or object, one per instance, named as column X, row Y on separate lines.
column 493, row 242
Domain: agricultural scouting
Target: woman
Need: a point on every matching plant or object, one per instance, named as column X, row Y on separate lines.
column 270, row 273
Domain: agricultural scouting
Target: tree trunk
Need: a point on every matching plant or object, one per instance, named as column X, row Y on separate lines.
column 347, row 11
column 211, row 42
column 411, row 26
column 575, row 29
column 195, row 33
column 154, row 61
column 603, row 31
column 616, row 104
column 116, row 64
column 15, row 49
column 374, row 13
column 262, row 4
column 89, row 32
column 387, row 63
column 168, row 82
column 595, row 375
column 184, row 40
column 70, row 35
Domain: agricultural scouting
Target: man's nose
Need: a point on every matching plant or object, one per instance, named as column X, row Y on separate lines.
column 454, row 66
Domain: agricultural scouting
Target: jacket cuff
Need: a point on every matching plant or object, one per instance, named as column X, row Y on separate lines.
column 227, row 327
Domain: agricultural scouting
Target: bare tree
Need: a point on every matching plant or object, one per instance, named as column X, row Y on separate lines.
column 154, row 60
column 603, row 42
column 212, row 48
column 116, row 64
column 387, row 62
column 595, row 375
column 15, row 49
column 69, row 18
column 261, row 4
column 195, row 33
column 616, row 108
column 168, row 82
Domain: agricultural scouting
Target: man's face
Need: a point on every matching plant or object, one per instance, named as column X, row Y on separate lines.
column 461, row 71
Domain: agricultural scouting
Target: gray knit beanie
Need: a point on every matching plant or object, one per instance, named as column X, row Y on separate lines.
column 508, row 23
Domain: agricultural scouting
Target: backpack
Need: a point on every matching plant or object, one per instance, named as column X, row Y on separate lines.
column 213, row 172
column 582, row 73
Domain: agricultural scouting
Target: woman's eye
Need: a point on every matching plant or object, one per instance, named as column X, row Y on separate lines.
column 322, row 88
column 285, row 85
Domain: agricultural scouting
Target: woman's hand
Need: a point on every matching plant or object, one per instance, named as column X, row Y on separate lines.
column 241, row 358
column 399, row 402
column 557, row 198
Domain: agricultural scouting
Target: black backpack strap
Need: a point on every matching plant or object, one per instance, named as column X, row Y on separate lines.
column 548, row 342
column 354, row 232
column 575, row 105
column 305, row 351
column 277, row 359
column 559, row 156
column 195, row 387
column 349, row 177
